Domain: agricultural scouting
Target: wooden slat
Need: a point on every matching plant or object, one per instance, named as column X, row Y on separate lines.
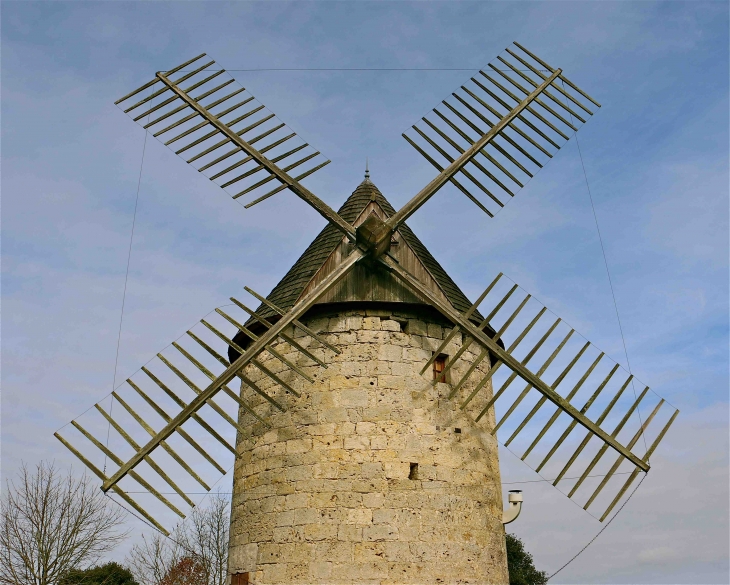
column 291, row 341
column 546, row 92
column 292, row 184
column 537, row 101
column 546, row 66
column 456, row 329
column 512, row 126
column 572, row 424
column 455, row 317
column 200, row 97
column 452, row 180
column 620, row 460
column 556, row 414
column 150, row 431
column 429, row 190
column 494, row 143
column 210, row 402
column 116, row 489
column 180, row 431
column 148, row 460
column 164, row 89
column 189, row 410
column 542, row 76
column 488, row 122
column 133, row 474
column 483, row 152
column 183, row 405
column 254, row 362
column 529, row 386
column 602, row 450
column 496, row 366
column 484, row 353
column 525, row 361
column 240, row 375
column 506, row 106
column 542, row 399
column 225, row 388
column 295, row 322
column 636, row 471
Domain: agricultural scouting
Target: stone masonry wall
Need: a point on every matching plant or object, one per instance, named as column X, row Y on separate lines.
column 331, row 493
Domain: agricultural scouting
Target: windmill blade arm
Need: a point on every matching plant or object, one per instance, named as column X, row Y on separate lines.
column 483, row 339
column 429, row 190
column 231, row 371
column 302, row 192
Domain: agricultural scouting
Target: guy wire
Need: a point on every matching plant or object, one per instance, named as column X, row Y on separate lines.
column 601, row 530
column 610, row 282
column 124, row 293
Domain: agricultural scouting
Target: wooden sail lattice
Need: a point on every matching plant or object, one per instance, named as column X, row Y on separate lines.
column 201, row 449
column 519, row 148
column 530, row 424
column 176, row 418
column 209, row 120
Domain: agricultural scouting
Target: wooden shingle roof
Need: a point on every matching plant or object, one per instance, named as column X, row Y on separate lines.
column 287, row 292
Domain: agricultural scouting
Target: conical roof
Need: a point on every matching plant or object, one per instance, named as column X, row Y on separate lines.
column 286, row 293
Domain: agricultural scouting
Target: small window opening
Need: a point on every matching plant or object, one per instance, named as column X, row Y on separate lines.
column 413, row 473
column 457, row 430
column 439, row 365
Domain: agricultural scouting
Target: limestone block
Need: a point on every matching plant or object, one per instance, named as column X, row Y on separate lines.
column 380, row 532
column 416, row 327
column 355, row 397
column 390, row 325
column 360, row 516
column 242, row 558
column 375, row 336
column 397, row 469
column 357, row 442
column 378, row 442
column 371, row 323
column 390, row 353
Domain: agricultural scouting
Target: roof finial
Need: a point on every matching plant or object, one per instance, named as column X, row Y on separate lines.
column 367, row 170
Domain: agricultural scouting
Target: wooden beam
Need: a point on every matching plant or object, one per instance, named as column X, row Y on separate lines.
column 320, row 206
column 455, row 317
column 231, row 371
column 429, row 190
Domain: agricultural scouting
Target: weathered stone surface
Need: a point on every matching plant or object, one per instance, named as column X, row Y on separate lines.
column 364, row 479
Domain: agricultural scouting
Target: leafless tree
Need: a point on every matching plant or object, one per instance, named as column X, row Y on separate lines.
column 51, row 523
column 151, row 560
column 202, row 537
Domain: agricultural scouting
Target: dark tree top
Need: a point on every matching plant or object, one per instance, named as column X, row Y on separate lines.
column 521, row 568
column 108, row 574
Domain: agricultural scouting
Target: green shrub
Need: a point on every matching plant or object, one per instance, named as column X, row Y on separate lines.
column 108, row 574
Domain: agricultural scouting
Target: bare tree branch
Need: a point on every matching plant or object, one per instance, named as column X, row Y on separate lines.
column 203, row 538
column 50, row 524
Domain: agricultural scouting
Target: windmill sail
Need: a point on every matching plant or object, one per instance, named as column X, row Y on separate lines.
column 535, row 423
column 219, row 128
column 202, row 445
column 530, row 109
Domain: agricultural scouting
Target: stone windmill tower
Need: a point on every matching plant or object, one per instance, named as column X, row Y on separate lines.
column 361, row 404
column 374, row 475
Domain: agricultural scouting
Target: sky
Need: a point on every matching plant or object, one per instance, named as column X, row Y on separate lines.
column 656, row 161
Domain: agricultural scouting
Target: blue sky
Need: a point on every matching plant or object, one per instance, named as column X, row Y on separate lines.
column 656, row 156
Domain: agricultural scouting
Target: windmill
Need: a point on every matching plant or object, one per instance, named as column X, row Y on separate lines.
column 365, row 392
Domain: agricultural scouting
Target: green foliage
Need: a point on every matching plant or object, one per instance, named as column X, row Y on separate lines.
column 108, row 574
column 522, row 571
